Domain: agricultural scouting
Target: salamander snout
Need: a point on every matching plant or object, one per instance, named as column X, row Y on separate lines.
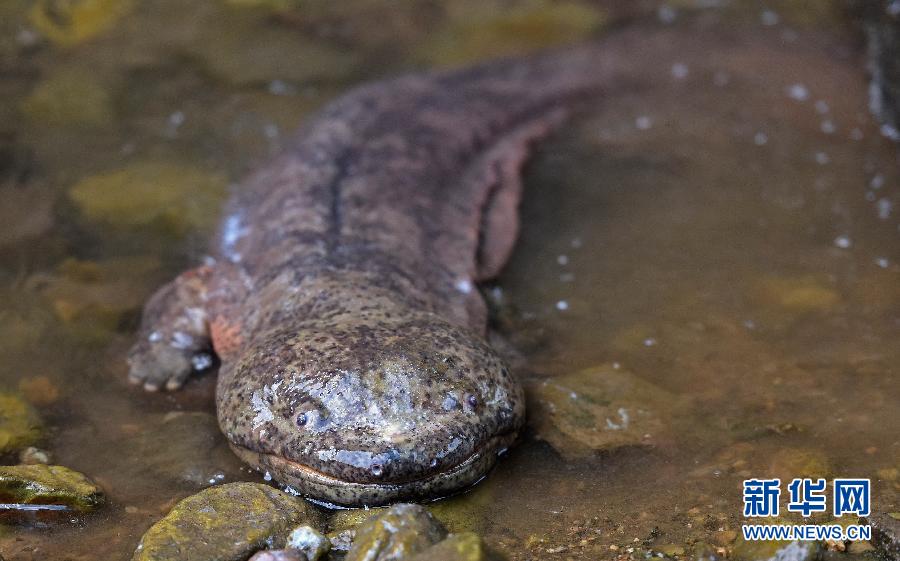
column 363, row 412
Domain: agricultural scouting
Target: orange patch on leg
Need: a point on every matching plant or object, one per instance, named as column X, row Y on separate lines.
column 226, row 336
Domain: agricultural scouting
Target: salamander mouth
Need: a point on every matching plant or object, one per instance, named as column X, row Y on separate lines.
column 332, row 490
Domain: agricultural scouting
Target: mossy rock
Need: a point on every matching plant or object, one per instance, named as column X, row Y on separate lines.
column 100, row 293
column 457, row 547
column 70, row 97
column 176, row 197
column 485, row 30
column 225, row 523
column 396, row 533
column 20, row 425
column 69, row 22
column 43, row 484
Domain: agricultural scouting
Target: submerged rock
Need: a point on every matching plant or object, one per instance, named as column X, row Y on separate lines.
column 225, row 523
column 396, row 533
column 601, row 408
column 482, row 30
column 20, row 425
column 69, row 22
column 18, row 226
column 457, row 547
column 70, row 98
column 177, row 198
column 308, row 541
column 98, row 295
column 43, row 484
column 39, row 390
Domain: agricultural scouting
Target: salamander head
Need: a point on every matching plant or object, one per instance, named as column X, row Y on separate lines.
column 371, row 410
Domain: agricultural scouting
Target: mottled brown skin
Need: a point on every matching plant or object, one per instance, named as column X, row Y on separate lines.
column 340, row 299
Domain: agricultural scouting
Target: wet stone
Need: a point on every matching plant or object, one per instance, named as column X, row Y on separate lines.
column 39, row 390
column 43, row 484
column 457, row 547
column 396, row 533
column 70, row 98
column 225, row 523
column 96, row 296
column 481, row 30
column 597, row 409
column 69, row 22
column 788, row 463
column 20, row 425
column 17, row 226
column 341, row 540
column 33, row 456
column 175, row 198
column 308, row 541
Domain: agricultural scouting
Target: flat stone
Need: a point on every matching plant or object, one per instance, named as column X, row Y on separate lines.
column 43, row 484
column 225, row 523
column 396, row 533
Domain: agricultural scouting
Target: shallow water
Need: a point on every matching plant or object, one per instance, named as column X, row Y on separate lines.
column 725, row 236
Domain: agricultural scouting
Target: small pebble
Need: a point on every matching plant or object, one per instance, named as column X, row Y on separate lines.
column 311, row 543
column 32, row 456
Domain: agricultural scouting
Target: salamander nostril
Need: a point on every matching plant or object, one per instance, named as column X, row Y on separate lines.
column 376, row 470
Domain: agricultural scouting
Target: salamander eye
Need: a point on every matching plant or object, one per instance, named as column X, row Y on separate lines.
column 302, row 418
column 472, row 400
column 376, row 470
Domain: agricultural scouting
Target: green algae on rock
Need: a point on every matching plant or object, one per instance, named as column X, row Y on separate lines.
column 483, row 30
column 70, row 22
column 225, row 523
column 396, row 533
column 20, row 425
column 70, row 97
column 601, row 408
column 43, row 484
column 466, row 546
column 176, row 197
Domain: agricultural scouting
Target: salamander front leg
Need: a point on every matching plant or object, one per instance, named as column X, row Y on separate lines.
column 174, row 334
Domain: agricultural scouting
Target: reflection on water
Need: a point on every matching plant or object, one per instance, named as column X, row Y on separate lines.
column 715, row 254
